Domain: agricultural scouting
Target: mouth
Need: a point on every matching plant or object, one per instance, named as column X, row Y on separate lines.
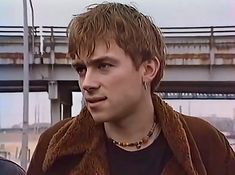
column 95, row 100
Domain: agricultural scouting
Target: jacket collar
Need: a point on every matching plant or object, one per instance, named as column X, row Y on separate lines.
column 90, row 139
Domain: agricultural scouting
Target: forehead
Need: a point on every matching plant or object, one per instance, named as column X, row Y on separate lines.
column 102, row 49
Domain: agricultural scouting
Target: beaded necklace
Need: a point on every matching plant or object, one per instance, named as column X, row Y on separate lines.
column 137, row 144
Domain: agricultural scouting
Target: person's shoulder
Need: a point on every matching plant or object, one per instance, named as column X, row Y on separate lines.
column 206, row 136
column 195, row 122
column 38, row 157
column 47, row 134
column 10, row 167
column 201, row 128
column 213, row 146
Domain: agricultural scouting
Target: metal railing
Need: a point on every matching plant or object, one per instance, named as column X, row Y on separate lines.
column 17, row 30
column 54, row 31
column 185, row 95
column 167, row 31
column 199, row 31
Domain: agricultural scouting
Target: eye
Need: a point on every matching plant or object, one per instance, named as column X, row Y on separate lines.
column 81, row 70
column 104, row 66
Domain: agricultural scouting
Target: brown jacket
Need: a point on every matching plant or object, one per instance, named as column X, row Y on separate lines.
column 76, row 146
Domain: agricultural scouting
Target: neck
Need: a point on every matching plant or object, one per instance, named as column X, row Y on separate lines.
column 133, row 127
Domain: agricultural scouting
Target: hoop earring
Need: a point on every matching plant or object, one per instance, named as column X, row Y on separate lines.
column 145, row 85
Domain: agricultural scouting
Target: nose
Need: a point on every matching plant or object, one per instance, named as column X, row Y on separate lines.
column 89, row 82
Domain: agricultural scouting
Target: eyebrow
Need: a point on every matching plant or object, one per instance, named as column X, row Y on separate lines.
column 95, row 61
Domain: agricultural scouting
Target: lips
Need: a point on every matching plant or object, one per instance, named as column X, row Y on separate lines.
column 95, row 99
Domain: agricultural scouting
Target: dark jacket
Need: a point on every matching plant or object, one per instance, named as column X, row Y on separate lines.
column 8, row 167
column 76, row 146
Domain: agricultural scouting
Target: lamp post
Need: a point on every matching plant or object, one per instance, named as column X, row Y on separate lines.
column 24, row 147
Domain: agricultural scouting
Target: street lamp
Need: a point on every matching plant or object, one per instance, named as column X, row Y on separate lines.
column 24, row 147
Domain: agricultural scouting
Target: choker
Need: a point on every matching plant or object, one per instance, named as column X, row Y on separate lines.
column 137, row 144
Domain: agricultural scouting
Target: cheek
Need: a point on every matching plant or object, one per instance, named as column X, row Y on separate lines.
column 123, row 81
column 128, row 84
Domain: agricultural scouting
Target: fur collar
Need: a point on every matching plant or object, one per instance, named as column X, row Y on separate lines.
column 82, row 135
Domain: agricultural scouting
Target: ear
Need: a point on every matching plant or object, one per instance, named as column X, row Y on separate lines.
column 150, row 69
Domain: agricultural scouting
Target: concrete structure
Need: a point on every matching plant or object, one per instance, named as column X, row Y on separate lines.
column 233, row 121
column 200, row 64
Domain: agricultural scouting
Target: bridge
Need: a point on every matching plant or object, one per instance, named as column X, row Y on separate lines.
column 200, row 64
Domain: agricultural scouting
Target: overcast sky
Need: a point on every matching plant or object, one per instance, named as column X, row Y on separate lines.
column 164, row 12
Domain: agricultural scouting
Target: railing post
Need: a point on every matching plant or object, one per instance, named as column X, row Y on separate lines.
column 52, row 45
column 212, row 48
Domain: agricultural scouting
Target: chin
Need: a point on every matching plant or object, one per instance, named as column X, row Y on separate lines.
column 99, row 119
column 101, row 116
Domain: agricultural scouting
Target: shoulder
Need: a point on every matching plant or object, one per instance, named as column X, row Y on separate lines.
column 9, row 167
column 54, row 128
column 199, row 126
column 212, row 144
column 202, row 131
column 35, row 166
column 47, row 135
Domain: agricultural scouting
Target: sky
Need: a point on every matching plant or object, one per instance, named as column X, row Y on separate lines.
column 165, row 13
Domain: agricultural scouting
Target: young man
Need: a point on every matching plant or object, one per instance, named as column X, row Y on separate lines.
column 124, row 128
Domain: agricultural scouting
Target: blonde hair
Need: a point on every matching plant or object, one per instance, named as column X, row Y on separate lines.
column 132, row 31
